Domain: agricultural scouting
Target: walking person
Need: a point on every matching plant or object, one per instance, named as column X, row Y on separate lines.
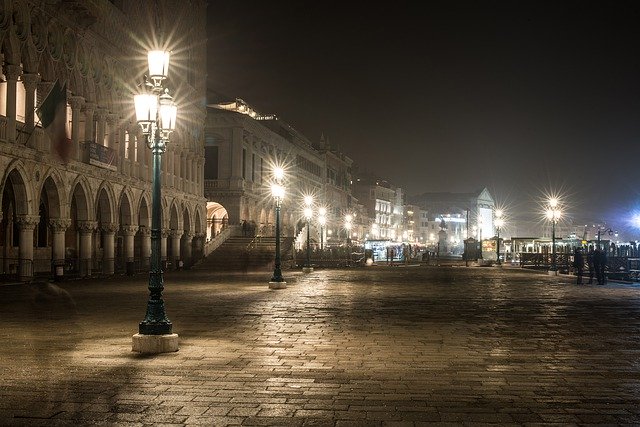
column 578, row 264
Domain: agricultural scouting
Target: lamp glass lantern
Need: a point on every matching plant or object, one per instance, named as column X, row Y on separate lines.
column 158, row 65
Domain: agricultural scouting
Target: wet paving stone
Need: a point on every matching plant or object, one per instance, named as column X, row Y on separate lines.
column 379, row 346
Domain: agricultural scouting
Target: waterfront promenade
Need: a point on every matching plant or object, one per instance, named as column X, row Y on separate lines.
column 379, row 346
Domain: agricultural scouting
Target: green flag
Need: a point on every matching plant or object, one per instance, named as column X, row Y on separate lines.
column 56, row 98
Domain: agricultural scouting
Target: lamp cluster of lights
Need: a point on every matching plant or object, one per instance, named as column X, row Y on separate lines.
column 553, row 211
column 155, row 110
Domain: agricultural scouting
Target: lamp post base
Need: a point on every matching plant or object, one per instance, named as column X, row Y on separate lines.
column 307, row 269
column 155, row 344
column 277, row 285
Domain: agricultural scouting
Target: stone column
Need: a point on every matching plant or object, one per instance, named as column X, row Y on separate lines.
column 89, row 109
column 145, row 250
column 26, row 224
column 187, row 242
column 101, row 122
column 129, row 231
column 11, row 74
column 198, row 245
column 76, row 109
column 30, row 82
column 236, row 154
column 86, row 233
column 175, row 248
column 58, row 228
column 108, row 245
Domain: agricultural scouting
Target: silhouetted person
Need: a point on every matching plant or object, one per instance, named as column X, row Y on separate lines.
column 602, row 276
column 597, row 262
column 590, row 265
column 578, row 264
column 245, row 228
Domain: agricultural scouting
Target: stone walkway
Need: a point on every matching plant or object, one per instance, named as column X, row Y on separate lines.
column 379, row 346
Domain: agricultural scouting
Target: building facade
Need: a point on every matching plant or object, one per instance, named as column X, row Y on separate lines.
column 447, row 219
column 85, row 207
column 242, row 147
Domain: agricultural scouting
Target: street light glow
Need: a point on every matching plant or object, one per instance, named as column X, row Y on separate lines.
column 278, row 173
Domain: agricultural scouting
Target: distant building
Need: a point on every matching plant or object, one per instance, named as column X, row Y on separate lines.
column 384, row 205
column 241, row 148
column 460, row 215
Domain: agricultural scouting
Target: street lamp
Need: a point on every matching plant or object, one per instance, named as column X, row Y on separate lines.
column 156, row 114
column 308, row 212
column 553, row 214
column 277, row 191
column 499, row 222
column 348, row 225
column 609, row 231
column 322, row 220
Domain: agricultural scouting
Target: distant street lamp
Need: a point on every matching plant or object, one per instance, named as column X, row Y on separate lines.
column 553, row 214
column 499, row 222
column 605, row 230
column 348, row 218
column 308, row 213
column 277, row 191
column 156, row 114
column 322, row 220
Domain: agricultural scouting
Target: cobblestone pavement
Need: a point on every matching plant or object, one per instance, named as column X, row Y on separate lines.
column 380, row 346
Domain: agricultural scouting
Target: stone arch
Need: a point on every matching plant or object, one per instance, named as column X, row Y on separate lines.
column 53, row 188
column 80, row 210
column 16, row 178
column 76, row 83
column 174, row 219
column 105, row 203
column 198, row 221
column 49, row 207
column 186, row 219
column 29, row 58
column 144, row 211
column 11, row 48
column 141, row 244
column 217, row 219
column 80, row 207
column 125, row 210
column 46, row 68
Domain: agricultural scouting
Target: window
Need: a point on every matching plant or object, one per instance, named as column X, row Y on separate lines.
column 253, row 167
column 211, row 162
column 244, row 163
column 126, row 144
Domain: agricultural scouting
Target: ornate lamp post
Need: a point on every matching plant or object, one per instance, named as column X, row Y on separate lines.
column 277, row 191
column 322, row 220
column 609, row 231
column 499, row 222
column 553, row 214
column 308, row 212
column 348, row 225
column 156, row 114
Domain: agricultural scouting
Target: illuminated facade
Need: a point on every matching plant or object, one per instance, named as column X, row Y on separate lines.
column 241, row 148
column 452, row 212
column 91, row 214
column 384, row 206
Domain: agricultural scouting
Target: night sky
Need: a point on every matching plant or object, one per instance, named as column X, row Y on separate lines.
column 525, row 98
